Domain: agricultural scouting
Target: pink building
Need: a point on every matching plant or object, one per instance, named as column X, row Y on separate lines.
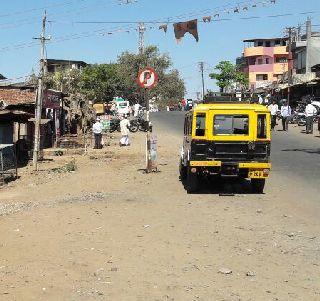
column 265, row 60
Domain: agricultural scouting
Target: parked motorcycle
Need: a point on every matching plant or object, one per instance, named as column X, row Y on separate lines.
column 140, row 124
column 115, row 126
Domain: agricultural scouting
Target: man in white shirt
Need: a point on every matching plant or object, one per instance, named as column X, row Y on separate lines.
column 97, row 131
column 285, row 115
column 310, row 112
column 273, row 108
column 124, row 126
column 136, row 109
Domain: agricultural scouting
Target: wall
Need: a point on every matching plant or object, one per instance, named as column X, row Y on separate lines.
column 6, row 133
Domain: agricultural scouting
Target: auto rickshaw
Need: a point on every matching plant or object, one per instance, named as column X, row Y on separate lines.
column 226, row 139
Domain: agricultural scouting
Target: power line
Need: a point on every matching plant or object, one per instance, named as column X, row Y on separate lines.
column 30, row 10
column 106, row 32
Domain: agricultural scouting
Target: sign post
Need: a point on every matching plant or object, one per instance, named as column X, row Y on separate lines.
column 147, row 79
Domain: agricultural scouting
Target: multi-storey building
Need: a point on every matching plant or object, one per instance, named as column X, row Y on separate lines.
column 265, row 60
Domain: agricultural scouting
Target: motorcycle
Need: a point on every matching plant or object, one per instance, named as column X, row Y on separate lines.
column 140, row 124
column 115, row 126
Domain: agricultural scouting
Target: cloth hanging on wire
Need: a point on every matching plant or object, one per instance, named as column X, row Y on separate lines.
column 181, row 28
column 164, row 27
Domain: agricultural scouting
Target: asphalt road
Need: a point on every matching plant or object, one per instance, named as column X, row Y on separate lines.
column 295, row 156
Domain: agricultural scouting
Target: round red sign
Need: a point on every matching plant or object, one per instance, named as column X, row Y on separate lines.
column 147, row 78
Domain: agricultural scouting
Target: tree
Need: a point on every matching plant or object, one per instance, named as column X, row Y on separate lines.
column 228, row 76
column 170, row 85
column 101, row 83
column 67, row 81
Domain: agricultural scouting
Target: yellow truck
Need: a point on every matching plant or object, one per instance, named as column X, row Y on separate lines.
column 228, row 139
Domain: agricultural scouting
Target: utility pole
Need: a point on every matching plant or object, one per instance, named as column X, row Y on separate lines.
column 290, row 31
column 141, row 30
column 201, row 66
column 38, row 110
column 308, row 48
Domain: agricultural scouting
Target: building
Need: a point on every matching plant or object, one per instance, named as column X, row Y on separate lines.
column 306, row 50
column 17, row 106
column 53, row 65
column 264, row 61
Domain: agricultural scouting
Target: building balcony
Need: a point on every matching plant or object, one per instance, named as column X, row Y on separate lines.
column 265, row 51
column 263, row 68
column 280, row 68
column 280, row 50
column 253, row 51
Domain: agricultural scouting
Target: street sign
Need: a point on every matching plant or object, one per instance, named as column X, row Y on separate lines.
column 147, row 78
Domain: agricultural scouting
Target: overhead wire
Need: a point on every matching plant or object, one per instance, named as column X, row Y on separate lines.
column 74, row 11
column 105, row 31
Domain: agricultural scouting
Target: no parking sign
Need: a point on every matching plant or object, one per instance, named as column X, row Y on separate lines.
column 147, row 78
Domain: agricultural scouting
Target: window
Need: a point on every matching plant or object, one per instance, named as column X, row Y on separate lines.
column 281, row 60
column 268, row 44
column 231, row 125
column 260, row 43
column 261, row 77
column 259, row 62
column 262, row 126
column 267, row 61
column 277, row 43
column 201, row 125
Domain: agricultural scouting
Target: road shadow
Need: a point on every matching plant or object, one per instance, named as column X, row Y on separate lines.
column 304, row 150
column 222, row 187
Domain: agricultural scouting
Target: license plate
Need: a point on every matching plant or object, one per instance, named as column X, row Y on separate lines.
column 256, row 174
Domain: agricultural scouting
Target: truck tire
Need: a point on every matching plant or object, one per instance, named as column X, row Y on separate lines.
column 182, row 171
column 192, row 182
column 257, row 185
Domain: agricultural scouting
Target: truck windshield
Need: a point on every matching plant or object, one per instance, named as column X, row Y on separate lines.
column 231, row 125
column 122, row 105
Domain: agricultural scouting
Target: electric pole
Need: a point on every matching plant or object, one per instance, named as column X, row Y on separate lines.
column 201, row 66
column 290, row 31
column 141, row 30
column 308, row 52
column 38, row 110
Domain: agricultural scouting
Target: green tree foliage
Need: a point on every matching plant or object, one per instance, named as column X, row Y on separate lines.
column 102, row 82
column 170, row 86
column 228, row 75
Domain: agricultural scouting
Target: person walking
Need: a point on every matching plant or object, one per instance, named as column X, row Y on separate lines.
column 285, row 115
column 97, row 131
column 310, row 112
column 124, row 127
column 136, row 109
column 273, row 108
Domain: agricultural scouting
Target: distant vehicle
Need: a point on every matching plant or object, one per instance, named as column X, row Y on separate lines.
column 123, row 107
column 189, row 105
column 227, row 140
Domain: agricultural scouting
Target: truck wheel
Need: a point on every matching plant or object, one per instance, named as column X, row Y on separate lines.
column 257, row 185
column 192, row 181
column 182, row 171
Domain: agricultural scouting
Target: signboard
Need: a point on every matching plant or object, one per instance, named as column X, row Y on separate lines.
column 147, row 78
column 52, row 99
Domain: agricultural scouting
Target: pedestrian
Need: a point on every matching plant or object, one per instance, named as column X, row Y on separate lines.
column 124, row 127
column 273, row 108
column 310, row 112
column 285, row 115
column 97, row 131
column 136, row 109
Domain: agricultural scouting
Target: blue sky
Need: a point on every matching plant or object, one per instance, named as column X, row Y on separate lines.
column 20, row 21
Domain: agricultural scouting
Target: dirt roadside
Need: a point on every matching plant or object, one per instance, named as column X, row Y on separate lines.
column 109, row 232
